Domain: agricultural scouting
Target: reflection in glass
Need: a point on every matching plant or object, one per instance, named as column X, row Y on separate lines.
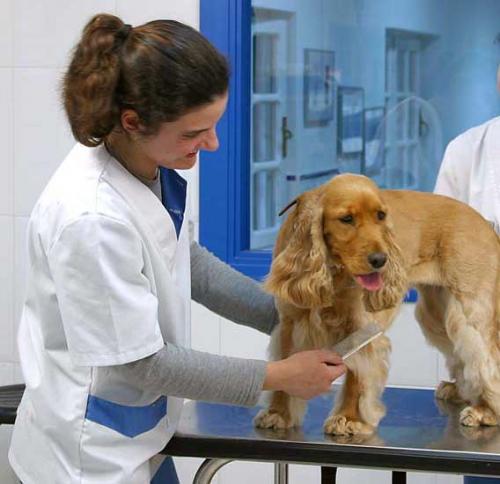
column 423, row 83
column 264, row 63
column 265, row 189
column 264, row 128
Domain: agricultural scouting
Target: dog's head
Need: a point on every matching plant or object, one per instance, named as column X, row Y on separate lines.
column 338, row 234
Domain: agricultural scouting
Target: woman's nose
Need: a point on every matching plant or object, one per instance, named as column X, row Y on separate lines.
column 211, row 142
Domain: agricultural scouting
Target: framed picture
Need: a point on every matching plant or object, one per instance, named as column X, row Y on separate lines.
column 319, row 87
column 374, row 140
column 351, row 121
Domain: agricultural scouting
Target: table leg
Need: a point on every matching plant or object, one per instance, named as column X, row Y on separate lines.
column 280, row 473
column 207, row 470
column 328, row 475
column 398, row 477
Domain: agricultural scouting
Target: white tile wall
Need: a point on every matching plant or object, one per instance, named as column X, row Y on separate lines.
column 205, row 329
column 6, row 33
column 7, row 285
column 243, row 342
column 41, row 135
column 135, row 12
column 35, row 38
column 46, row 30
column 413, row 361
column 6, row 140
column 20, row 274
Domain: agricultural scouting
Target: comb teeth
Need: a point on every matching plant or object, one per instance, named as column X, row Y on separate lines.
column 357, row 340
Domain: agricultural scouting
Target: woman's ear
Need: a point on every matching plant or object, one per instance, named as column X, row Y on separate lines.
column 130, row 121
column 302, row 272
column 394, row 277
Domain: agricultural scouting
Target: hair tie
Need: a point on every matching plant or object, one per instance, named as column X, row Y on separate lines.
column 123, row 32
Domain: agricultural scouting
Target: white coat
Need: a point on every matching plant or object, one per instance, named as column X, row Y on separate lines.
column 109, row 283
column 470, row 171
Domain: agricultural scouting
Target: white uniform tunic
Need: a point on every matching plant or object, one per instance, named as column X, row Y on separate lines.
column 470, row 170
column 109, row 283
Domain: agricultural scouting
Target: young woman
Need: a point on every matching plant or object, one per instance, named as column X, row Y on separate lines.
column 104, row 328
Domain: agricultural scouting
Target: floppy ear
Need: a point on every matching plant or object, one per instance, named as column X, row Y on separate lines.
column 302, row 270
column 394, row 276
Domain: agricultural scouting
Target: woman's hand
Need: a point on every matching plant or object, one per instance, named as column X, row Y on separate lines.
column 306, row 374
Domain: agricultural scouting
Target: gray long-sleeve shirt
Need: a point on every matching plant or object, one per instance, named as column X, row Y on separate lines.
column 188, row 373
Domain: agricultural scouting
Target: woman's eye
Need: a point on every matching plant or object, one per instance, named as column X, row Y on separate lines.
column 381, row 215
column 347, row 219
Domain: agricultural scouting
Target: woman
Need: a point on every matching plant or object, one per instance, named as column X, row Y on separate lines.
column 106, row 315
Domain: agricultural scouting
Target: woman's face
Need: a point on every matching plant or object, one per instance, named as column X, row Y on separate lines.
column 177, row 143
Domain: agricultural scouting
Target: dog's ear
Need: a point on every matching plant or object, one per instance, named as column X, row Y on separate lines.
column 395, row 279
column 301, row 272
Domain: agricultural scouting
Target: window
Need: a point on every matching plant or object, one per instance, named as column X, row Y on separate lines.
column 322, row 87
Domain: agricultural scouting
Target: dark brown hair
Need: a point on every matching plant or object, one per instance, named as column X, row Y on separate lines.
column 161, row 70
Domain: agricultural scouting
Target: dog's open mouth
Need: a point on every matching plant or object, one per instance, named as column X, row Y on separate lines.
column 370, row 282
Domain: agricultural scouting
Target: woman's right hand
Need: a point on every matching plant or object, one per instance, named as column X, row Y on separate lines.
column 306, row 374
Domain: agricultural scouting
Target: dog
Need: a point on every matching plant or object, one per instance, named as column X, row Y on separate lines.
column 346, row 255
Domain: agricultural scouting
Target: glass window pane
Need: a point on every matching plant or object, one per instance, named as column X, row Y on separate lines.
column 264, row 63
column 378, row 88
column 264, row 131
column 264, row 189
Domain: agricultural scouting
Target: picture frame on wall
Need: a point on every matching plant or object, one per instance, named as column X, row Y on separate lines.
column 319, row 87
column 374, row 132
column 351, row 124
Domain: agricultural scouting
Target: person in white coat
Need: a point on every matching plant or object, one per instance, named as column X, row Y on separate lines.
column 470, row 172
column 103, row 339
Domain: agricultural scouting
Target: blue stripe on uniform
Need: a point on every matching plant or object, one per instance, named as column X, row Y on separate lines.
column 478, row 480
column 166, row 473
column 127, row 420
column 173, row 195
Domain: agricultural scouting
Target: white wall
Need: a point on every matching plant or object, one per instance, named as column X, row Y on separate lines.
column 35, row 38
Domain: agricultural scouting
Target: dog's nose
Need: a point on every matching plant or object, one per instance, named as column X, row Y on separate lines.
column 377, row 259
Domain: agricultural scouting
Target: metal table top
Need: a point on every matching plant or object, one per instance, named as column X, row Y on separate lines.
column 418, row 433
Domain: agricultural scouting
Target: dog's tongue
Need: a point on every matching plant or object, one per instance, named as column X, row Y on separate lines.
column 371, row 282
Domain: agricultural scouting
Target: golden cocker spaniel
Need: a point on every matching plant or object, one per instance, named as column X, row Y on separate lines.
column 346, row 255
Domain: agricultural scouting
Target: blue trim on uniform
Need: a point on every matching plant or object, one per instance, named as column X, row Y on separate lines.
column 481, row 480
column 166, row 473
column 127, row 420
column 173, row 195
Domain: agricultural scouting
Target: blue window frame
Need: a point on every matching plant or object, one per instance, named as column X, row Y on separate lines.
column 225, row 174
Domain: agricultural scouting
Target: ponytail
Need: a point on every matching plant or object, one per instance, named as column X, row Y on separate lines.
column 90, row 82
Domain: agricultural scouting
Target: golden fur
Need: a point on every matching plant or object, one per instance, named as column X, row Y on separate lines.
column 441, row 246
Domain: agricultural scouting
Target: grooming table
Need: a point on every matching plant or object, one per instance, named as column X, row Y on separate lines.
column 417, row 434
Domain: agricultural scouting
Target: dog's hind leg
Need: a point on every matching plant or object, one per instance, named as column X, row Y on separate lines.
column 430, row 313
column 358, row 407
column 471, row 327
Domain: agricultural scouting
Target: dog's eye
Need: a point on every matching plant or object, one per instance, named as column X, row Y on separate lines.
column 347, row 219
column 381, row 215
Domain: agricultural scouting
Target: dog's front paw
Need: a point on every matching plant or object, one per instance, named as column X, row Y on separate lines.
column 271, row 419
column 448, row 391
column 476, row 416
column 341, row 425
